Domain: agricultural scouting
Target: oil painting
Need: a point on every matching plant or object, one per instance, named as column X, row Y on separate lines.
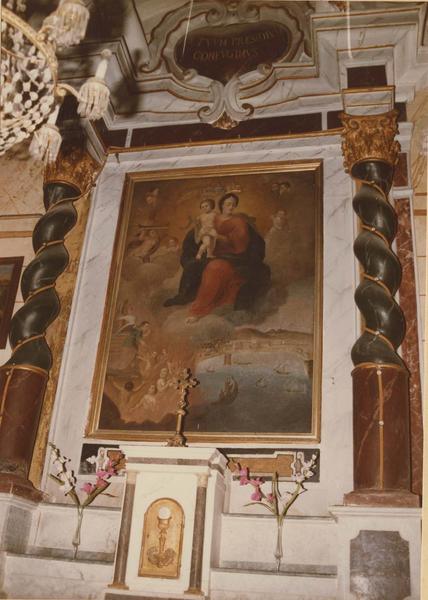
column 220, row 272
column 10, row 271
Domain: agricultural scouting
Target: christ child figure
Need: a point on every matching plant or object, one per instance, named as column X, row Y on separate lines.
column 205, row 230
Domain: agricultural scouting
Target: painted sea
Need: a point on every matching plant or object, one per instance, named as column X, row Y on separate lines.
column 257, row 388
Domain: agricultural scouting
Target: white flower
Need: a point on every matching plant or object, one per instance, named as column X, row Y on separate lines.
column 67, row 487
column 92, row 459
column 57, row 456
column 70, row 477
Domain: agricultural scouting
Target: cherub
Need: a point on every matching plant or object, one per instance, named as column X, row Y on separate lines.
column 205, row 231
column 146, row 243
column 163, row 382
column 279, row 220
column 149, row 399
column 127, row 316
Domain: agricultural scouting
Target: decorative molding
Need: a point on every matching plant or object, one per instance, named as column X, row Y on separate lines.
column 341, row 6
column 161, row 98
column 370, row 137
column 227, row 104
column 214, row 13
column 282, row 462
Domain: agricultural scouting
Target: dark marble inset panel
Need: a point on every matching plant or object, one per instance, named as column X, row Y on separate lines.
column 333, row 119
column 380, row 566
column 402, row 111
column 362, row 77
column 110, row 137
column 202, row 132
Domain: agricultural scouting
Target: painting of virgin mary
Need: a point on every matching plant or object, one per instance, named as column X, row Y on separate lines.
column 235, row 276
column 228, row 290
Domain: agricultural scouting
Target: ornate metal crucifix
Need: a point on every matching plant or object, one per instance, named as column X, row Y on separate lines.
column 184, row 384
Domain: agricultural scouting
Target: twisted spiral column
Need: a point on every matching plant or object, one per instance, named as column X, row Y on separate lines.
column 24, row 376
column 380, row 378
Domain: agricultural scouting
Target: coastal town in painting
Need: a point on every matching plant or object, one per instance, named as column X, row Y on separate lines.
column 219, row 275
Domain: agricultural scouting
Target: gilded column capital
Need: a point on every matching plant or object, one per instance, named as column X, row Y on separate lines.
column 369, row 137
column 75, row 167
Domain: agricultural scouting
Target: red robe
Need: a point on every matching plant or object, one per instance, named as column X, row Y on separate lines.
column 220, row 281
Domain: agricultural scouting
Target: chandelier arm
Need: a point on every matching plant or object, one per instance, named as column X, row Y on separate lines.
column 62, row 88
column 14, row 54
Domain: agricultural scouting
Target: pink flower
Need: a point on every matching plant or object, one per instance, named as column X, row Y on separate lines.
column 101, row 483
column 257, row 482
column 111, row 469
column 256, row 495
column 243, row 475
column 270, row 498
column 88, row 488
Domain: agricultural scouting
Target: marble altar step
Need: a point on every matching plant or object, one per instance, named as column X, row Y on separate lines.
column 251, row 540
column 293, row 582
column 32, row 576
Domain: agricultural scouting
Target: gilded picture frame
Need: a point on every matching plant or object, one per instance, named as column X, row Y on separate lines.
column 289, row 193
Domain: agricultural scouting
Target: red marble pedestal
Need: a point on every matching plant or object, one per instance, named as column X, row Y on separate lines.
column 21, row 392
column 382, row 473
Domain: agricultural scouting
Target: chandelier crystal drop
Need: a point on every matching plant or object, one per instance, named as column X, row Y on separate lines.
column 30, row 94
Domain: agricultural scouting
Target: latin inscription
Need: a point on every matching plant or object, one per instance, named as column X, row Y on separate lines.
column 222, row 52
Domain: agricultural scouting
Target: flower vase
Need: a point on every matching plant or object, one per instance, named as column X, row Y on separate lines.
column 278, row 550
column 76, row 537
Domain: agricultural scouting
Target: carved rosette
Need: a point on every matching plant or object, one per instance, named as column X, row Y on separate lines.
column 370, row 137
column 370, row 153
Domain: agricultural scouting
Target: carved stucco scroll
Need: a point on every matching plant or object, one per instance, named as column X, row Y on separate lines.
column 227, row 101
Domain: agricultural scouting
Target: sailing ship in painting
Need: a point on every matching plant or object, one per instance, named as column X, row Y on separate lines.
column 229, row 391
column 217, row 281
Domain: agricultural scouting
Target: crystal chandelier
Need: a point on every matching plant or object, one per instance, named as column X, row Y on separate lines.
column 30, row 94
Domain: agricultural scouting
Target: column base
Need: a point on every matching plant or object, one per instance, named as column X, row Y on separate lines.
column 382, row 498
column 118, row 586
column 195, row 592
column 18, row 486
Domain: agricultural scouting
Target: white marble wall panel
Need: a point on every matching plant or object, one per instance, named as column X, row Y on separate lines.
column 54, row 525
column 31, row 577
column 73, row 397
column 352, row 519
column 250, row 541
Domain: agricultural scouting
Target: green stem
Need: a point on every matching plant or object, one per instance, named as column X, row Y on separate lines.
column 299, row 490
